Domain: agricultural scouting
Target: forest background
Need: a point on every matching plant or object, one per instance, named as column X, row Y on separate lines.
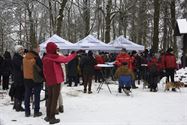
column 147, row 22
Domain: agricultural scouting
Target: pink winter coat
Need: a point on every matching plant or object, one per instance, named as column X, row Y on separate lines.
column 52, row 69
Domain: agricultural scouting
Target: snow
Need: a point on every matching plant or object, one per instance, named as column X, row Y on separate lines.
column 141, row 108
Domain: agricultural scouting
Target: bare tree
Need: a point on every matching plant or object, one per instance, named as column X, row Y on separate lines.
column 156, row 25
column 60, row 17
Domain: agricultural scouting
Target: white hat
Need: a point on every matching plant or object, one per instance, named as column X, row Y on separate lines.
column 18, row 47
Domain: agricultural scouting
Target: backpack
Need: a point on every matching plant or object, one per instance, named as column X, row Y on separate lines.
column 37, row 76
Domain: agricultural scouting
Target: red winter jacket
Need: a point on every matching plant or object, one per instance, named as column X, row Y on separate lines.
column 52, row 69
column 99, row 59
column 162, row 62
column 170, row 61
column 154, row 60
column 123, row 57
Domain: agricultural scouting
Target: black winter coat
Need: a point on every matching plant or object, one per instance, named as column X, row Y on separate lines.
column 6, row 67
column 87, row 64
column 1, row 62
column 73, row 67
column 17, row 63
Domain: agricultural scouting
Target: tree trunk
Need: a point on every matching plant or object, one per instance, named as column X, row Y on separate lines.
column 156, row 25
column 86, row 17
column 108, row 21
column 165, row 30
column 185, row 49
column 132, row 23
column 173, row 23
column 33, row 41
column 99, row 19
column 2, row 38
column 51, row 20
column 60, row 17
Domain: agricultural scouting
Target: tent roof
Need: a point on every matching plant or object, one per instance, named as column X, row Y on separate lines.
column 61, row 43
column 181, row 27
column 122, row 42
column 92, row 43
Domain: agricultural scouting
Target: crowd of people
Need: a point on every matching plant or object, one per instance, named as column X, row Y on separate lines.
column 29, row 72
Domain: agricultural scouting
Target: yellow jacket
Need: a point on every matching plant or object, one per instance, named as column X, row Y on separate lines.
column 124, row 70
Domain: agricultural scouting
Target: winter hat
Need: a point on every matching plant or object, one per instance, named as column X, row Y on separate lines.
column 134, row 52
column 123, row 50
column 18, row 48
column 90, row 53
column 51, row 48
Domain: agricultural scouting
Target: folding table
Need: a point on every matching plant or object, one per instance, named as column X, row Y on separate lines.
column 104, row 76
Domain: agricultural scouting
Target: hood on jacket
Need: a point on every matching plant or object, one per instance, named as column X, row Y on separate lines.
column 51, row 48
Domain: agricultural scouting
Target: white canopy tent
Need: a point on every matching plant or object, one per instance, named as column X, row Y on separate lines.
column 60, row 42
column 122, row 42
column 92, row 43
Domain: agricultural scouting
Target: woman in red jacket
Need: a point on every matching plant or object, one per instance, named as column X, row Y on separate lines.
column 54, row 76
column 170, row 65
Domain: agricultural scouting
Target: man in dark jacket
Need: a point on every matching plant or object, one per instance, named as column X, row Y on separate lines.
column 6, row 69
column 87, row 64
column 73, row 71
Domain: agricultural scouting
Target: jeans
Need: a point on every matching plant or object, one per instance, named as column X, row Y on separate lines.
column 32, row 89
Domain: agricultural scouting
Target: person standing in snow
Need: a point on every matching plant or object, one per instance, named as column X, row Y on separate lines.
column 54, row 76
column 87, row 63
column 73, row 71
column 170, row 65
column 17, row 63
column 30, row 61
column 60, row 106
column 6, row 69
column 153, row 68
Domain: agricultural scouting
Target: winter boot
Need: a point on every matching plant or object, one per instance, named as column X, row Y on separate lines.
column 173, row 89
column 84, row 90
column 54, row 121
column 119, row 89
column 37, row 114
column 46, row 119
column 27, row 114
column 20, row 108
column 90, row 92
column 61, row 109
column 16, row 105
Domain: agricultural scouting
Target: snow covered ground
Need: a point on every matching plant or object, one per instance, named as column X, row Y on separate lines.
column 141, row 108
